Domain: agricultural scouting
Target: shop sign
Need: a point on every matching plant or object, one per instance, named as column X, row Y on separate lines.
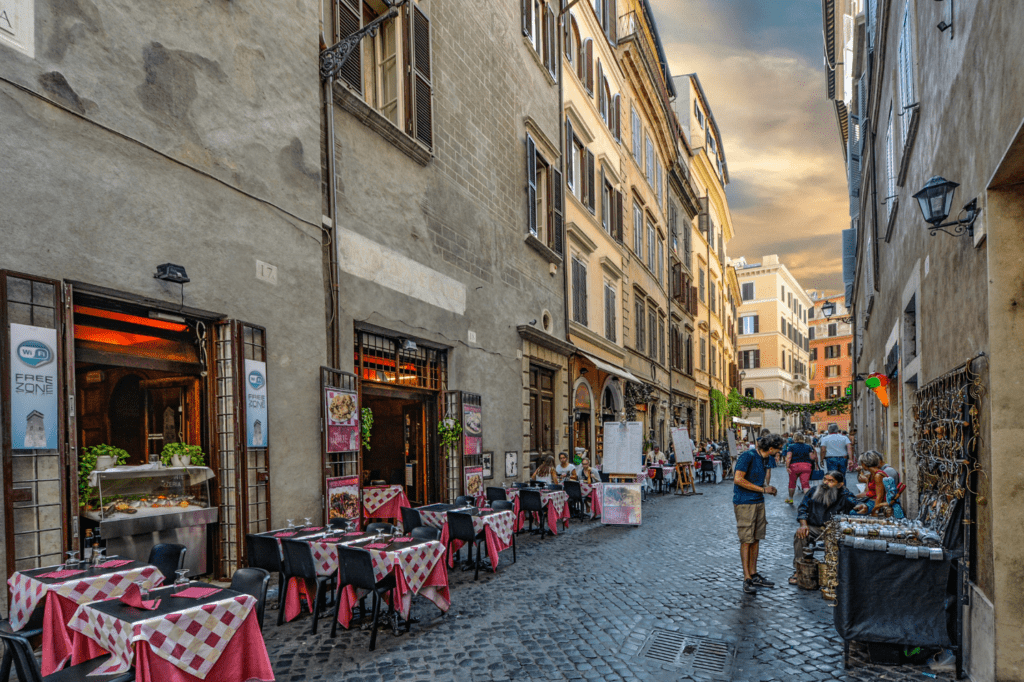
column 343, row 499
column 34, row 405
column 255, row 404
column 474, row 480
column 621, row 504
column 342, row 420
column 472, row 429
column 582, row 399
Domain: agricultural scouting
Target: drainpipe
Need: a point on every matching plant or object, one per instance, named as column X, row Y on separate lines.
column 560, row 42
column 330, row 231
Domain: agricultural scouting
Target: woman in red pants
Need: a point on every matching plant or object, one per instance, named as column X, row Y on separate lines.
column 799, row 463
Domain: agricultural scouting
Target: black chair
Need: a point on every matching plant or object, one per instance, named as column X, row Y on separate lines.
column 385, row 527
column 265, row 553
column 707, row 468
column 27, row 667
column 168, row 558
column 339, row 523
column 460, row 527
column 464, row 500
column 605, row 478
column 530, row 503
column 410, row 519
column 298, row 563
column 505, row 505
column 253, row 581
column 356, row 569
column 33, row 628
column 494, row 494
column 575, row 492
column 426, row 533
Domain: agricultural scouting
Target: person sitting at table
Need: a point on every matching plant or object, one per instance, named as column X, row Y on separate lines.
column 545, row 471
column 587, row 474
column 564, row 468
column 875, row 501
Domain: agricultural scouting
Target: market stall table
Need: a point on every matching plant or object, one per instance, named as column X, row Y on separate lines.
column 383, row 501
column 60, row 592
column 214, row 635
column 497, row 526
column 557, row 502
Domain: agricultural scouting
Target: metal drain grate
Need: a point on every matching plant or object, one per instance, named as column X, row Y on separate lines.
column 698, row 654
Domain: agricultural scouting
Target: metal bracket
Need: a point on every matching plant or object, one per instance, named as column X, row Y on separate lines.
column 335, row 56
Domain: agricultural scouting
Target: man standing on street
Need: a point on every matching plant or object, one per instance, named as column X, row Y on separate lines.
column 816, row 510
column 836, row 449
column 749, row 489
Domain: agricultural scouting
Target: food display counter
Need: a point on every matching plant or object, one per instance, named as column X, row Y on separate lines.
column 137, row 507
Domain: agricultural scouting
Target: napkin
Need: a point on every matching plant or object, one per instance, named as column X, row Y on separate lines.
column 377, row 545
column 409, row 539
column 114, row 563
column 197, row 592
column 349, row 535
column 133, row 597
column 284, row 534
column 309, row 529
column 61, row 574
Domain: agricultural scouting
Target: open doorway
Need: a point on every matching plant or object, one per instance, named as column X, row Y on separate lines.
column 399, row 441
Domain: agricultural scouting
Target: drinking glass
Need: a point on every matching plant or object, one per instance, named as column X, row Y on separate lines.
column 309, row 522
column 181, row 582
column 99, row 556
column 291, row 524
column 72, row 559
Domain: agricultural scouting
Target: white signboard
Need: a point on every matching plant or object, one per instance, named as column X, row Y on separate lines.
column 34, row 412
column 681, row 440
column 18, row 25
column 623, row 448
column 255, row 403
column 731, row 437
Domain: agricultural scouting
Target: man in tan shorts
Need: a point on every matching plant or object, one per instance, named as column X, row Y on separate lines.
column 748, row 502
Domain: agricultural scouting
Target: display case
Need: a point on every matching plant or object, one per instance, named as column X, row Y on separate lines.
column 141, row 506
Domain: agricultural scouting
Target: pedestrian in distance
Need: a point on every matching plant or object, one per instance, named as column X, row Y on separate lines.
column 749, row 488
column 816, row 510
column 800, row 458
column 836, row 449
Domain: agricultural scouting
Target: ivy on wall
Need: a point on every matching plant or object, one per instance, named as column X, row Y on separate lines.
column 793, row 408
column 636, row 394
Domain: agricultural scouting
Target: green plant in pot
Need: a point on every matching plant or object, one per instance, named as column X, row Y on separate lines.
column 449, row 430
column 182, row 454
column 96, row 458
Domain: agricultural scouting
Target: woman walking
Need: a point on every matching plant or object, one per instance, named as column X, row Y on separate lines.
column 799, row 464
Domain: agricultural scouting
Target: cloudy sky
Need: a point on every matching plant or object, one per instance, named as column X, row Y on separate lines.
column 760, row 62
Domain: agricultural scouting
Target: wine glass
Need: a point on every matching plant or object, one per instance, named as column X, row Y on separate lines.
column 72, row 559
column 309, row 521
column 99, row 556
column 291, row 524
column 181, row 582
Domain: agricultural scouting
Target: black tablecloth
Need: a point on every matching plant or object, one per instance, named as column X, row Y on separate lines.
column 887, row 598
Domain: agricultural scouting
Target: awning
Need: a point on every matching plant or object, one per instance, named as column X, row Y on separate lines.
column 609, row 368
column 746, row 422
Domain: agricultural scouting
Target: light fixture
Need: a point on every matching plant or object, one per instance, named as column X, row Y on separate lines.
column 408, row 344
column 828, row 309
column 583, row 370
column 947, row 25
column 169, row 272
column 935, row 201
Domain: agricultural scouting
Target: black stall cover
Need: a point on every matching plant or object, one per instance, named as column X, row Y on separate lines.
column 886, row 598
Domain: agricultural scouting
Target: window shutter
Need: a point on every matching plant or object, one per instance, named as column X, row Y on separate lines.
column 349, row 21
column 419, row 103
column 531, row 185
column 757, row 357
column 606, row 211
column 617, row 213
column 602, row 112
column 569, row 151
column 552, row 45
column 693, row 300
column 590, row 180
column 757, row 323
column 617, row 117
column 588, row 57
column 567, row 34
column 527, row 17
column 613, row 21
column 557, row 210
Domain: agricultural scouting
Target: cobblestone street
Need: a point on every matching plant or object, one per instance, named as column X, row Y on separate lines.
column 582, row 605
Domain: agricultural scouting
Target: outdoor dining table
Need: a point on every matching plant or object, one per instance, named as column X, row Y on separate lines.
column 206, row 633
column 417, row 565
column 296, row 588
column 557, row 502
column 497, row 527
column 60, row 591
column 717, row 464
column 594, row 491
column 383, row 501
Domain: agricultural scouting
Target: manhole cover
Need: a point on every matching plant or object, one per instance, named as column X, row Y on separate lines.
column 697, row 654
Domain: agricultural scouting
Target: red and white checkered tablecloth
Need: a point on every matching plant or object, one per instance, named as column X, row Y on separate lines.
column 27, row 592
column 497, row 527
column 383, row 501
column 594, row 492
column 557, row 502
column 192, row 640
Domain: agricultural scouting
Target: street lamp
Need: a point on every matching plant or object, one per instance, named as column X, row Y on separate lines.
column 828, row 309
column 935, row 201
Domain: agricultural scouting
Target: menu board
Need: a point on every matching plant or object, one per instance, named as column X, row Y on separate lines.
column 343, row 500
column 474, row 480
column 472, row 429
column 342, row 420
column 620, row 505
column 681, row 441
column 623, row 447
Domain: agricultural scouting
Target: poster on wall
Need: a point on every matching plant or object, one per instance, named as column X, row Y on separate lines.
column 623, row 447
column 474, row 480
column 620, row 505
column 487, row 462
column 681, row 441
column 34, row 406
column 472, row 429
column 342, row 420
column 255, row 403
column 343, row 499
column 512, row 464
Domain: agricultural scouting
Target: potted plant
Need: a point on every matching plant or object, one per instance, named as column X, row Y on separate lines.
column 449, row 429
column 182, row 455
column 96, row 458
column 365, row 424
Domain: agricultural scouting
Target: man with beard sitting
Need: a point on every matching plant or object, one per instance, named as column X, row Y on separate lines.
column 817, row 509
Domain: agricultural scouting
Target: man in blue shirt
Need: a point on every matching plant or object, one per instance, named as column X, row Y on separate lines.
column 749, row 489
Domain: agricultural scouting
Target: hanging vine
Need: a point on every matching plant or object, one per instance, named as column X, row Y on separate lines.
column 636, row 394
column 794, row 408
column 723, row 407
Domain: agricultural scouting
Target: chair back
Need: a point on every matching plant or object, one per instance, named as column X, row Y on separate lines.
column 357, row 567
column 605, row 478
column 299, row 558
column 385, row 527
column 464, row 499
column 554, row 486
column 460, row 527
column 168, row 558
column 494, row 493
column 339, row 523
column 410, row 518
column 25, row 663
column 659, row 474
column 529, row 500
column 574, row 490
column 253, row 581
column 263, row 552
column 503, row 505
column 518, row 484
column 707, row 466
column 426, row 533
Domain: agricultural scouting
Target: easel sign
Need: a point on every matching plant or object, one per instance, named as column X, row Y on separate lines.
column 681, row 441
column 623, row 448
column 731, row 437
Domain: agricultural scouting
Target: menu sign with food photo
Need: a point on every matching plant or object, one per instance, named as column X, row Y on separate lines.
column 342, row 421
column 474, row 480
column 472, row 429
column 343, row 499
column 621, row 504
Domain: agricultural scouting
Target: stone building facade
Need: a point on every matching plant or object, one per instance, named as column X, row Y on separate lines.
column 830, row 363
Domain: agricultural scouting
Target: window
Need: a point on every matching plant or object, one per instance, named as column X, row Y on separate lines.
column 650, row 246
column 812, row 394
column 749, row 324
column 750, row 359
column 571, row 40
column 661, row 189
column 810, row 314
column 700, row 284
column 607, row 204
column 661, row 340
column 782, row 296
column 749, row 392
column 849, row 350
column 782, row 326
column 539, row 27
column 640, row 329
column 650, row 161
column 698, row 113
column 579, row 291
column 689, row 355
column 783, row 359
column 712, row 147
column 638, row 231
column 810, row 333
column 905, row 74
column 703, row 353
column 833, row 329
column 542, row 410
column 544, row 198
column 652, row 329
column 747, row 291
column 832, row 352
column 714, row 360
column 661, row 261
column 831, row 392
column 587, row 75
column 814, row 354
column 607, row 17
column 604, row 96
column 637, row 138
column 609, row 312
column 615, row 125
column 713, row 298
column 673, row 227
column 832, row 371
column 890, row 168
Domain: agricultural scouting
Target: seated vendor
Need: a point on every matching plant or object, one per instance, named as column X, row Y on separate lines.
column 870, row 466
column 816, row 510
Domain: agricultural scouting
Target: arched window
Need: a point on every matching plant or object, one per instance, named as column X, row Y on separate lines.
column 572, row 41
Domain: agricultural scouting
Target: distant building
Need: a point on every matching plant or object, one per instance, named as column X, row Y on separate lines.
column 830, row 366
